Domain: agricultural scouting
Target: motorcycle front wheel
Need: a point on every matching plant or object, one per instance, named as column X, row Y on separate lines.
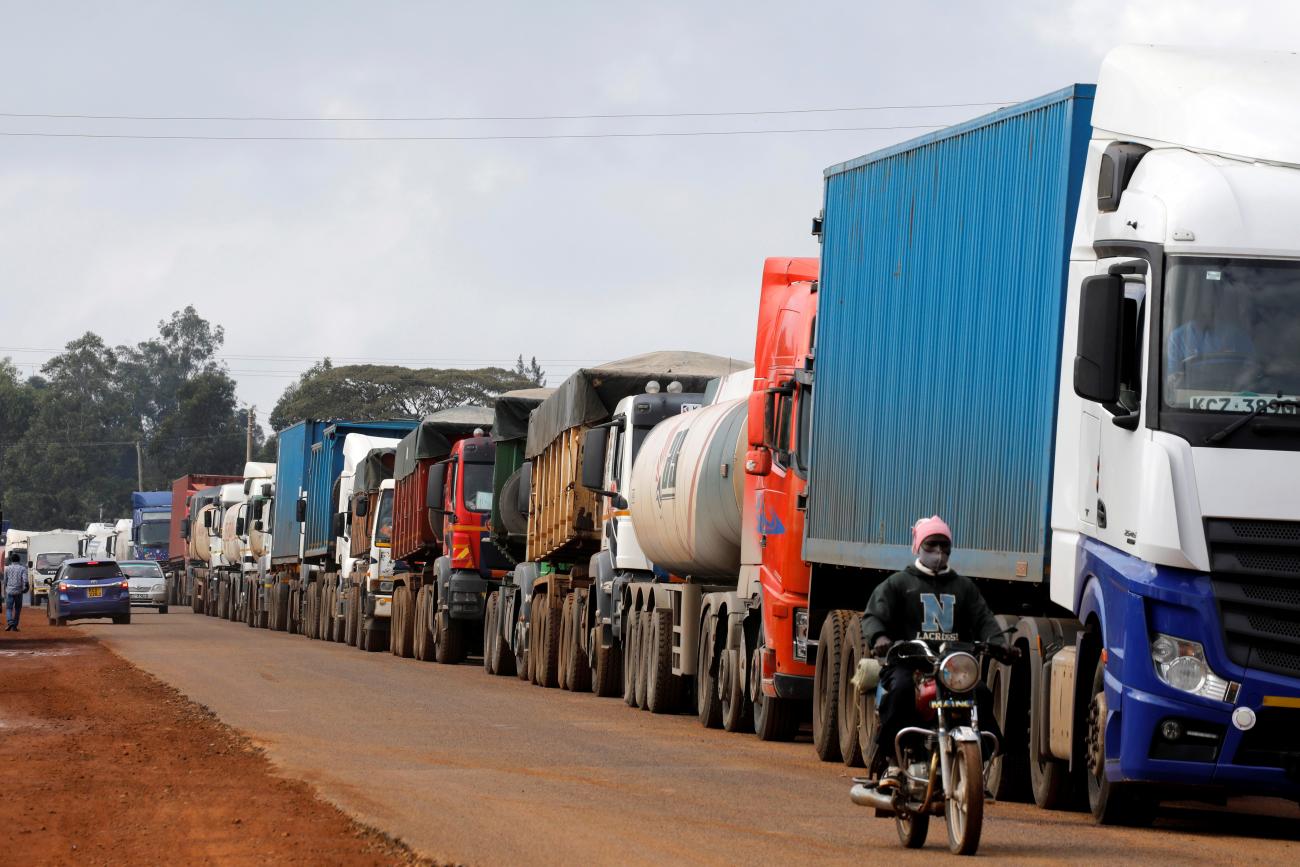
column 963, row 810
column 912, row 828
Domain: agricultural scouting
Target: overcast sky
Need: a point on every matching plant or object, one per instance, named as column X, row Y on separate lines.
column 465, row 253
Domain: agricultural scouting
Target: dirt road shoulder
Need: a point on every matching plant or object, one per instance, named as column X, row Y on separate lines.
column 100, row 762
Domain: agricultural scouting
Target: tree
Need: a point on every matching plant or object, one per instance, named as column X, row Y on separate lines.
column 372, row 391
column 532, row 371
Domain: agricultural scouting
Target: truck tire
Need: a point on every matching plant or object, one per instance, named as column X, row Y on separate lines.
column 448, row 643
column 423, row 634
column 566, row 630
column 520, row 650
column 737, row 710
column 708, row 704
column 504, row 664
column 826, row 687
column 548, row 671
column 775, row 719
column 1110, row 803
column 579, row 669
column 631, row 660
column 373, row 640
column 663, row 688
column 607, row 676
column 402, row 625
column 293, row 610
column 1008, row 772
column 349, row 629
column 852, row 746
column 489, row 628
column 1048, row 777
column 312, row 616
column 644, row 652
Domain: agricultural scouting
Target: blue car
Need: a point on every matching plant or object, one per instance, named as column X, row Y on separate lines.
column 84, row 588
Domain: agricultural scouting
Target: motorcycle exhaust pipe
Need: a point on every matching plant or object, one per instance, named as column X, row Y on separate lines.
column 864, row 797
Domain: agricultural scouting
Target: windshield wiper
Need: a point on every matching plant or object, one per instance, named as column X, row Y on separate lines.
column 1219, row 436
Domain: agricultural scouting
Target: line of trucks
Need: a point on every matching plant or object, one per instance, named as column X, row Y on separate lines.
column 1012, row 324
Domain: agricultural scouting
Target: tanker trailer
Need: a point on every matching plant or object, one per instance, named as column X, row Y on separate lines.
column 686, row 502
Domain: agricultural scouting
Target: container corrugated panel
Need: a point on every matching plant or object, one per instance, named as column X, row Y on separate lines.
column 180, row 495
column 942, row 296
column 294, row 444
column 324, row 465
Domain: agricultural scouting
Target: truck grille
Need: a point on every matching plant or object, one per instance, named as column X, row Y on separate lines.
column 1255, row 568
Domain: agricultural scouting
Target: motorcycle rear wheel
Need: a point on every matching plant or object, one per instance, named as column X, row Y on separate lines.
column 963, row 809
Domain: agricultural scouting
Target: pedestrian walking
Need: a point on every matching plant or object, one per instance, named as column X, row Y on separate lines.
column 15, row 585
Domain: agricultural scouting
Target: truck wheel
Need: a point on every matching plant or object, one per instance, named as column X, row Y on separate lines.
column 349, row 630
column 402, row 625
column 850, row 707
column 1049, row 777
column 505, row 663
column 423, row 604
column 449, row 649
column 1110, row 803
column 548, row 663
column 579, row 669
column 826, row 687
column 293, row 610
column 737, row 711
column 1007, row 775
column 312, row 594
column 644, row 652
column 631, row 656
column 520, row 653
column 489, row 629
column 663, row 689
column 708, row 705
column 566, row 633
column 775, row 719
column 373, row 640
column 607, row 676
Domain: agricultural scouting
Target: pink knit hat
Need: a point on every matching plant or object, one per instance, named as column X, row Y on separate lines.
column 927, row 527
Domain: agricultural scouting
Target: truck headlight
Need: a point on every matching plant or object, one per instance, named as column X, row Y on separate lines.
column 385, row 586
column 801, row 634
column 1181, row 664
column 960, row 671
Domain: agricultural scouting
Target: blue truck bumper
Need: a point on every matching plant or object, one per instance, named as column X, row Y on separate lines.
column 1135, row 600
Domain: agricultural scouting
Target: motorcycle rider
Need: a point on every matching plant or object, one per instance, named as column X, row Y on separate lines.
column 930, row 601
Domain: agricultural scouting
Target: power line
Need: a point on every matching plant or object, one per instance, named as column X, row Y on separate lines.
column 484, row 118
column 130, row 442
column 533, row 137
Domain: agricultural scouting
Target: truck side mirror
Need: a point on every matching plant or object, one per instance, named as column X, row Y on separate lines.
column 300, row 512
column 239, row 526
column 758, row 461
column 756, row 417
column 593, row 459
column 207, row 520
column 1097, row 356
column 433, row 491
column 338, row 524
column 185, row 527
column 362, row 505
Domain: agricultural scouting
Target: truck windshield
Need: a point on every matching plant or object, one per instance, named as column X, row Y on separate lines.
column 1231, row 327
column 384, row 520
column 50, row 562
column 478, row 487
column 155, row 532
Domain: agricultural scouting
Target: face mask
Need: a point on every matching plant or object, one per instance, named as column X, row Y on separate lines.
column 934, row 556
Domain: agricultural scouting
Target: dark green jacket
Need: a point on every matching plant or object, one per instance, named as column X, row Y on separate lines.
column 913, row 604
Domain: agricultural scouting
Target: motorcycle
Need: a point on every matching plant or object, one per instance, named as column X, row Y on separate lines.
column 942, row 763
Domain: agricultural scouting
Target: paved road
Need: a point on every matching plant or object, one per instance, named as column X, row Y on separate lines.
column 474, row 769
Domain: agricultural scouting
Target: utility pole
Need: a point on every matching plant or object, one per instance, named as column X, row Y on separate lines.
column 248, row 442
column 139, row 467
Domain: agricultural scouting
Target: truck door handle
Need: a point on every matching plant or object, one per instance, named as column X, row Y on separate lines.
column 1101, row 514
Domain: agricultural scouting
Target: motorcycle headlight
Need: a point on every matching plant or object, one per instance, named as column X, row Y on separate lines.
column 960, row 671
column 1182, row 664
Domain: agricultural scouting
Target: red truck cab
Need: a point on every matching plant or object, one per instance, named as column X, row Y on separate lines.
column 776, row 482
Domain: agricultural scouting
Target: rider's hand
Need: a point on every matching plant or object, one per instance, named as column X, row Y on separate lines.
column 1005, row 654
column 881, row 646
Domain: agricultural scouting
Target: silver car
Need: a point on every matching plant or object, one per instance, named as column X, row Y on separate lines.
column 148, row 584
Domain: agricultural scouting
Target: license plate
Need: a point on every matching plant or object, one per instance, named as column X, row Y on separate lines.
column 94, row 592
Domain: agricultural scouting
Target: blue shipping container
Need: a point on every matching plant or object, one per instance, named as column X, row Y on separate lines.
column 324, row 465
column 941, row 302
column 294, row 443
